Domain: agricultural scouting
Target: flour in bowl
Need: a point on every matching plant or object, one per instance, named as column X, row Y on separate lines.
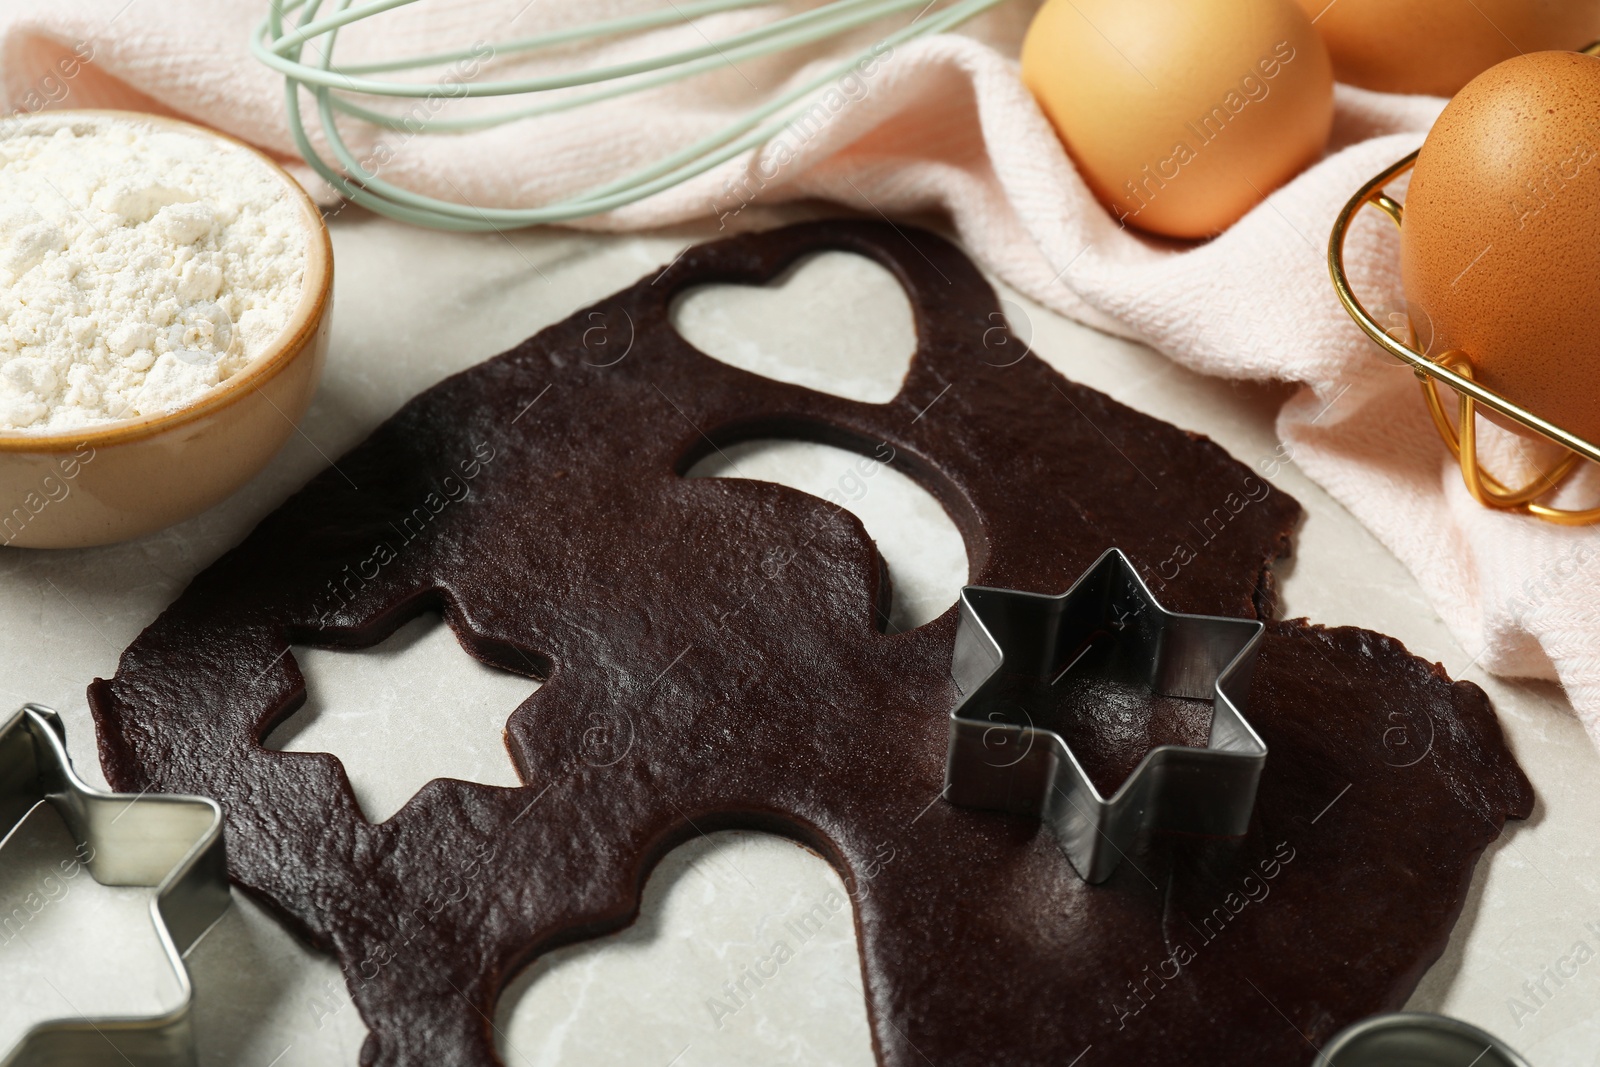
column 140, row 266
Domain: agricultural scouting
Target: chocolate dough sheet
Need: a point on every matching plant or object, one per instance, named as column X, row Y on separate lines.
column 714, row 656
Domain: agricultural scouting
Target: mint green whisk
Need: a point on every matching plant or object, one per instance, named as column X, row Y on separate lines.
column 337, row 89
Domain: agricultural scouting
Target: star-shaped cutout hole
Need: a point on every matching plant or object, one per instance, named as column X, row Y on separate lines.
column 411, row 709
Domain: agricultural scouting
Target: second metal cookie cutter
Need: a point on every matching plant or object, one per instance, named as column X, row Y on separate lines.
column 1008, row 638
column 171, row 843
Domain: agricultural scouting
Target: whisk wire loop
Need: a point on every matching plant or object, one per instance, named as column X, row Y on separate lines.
column 280, row 43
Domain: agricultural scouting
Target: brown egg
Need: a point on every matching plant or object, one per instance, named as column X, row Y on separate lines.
column 1181, row 115
column 1437, row 46
column 1499, row 249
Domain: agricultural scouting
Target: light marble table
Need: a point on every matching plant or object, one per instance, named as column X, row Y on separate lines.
column 413, row 307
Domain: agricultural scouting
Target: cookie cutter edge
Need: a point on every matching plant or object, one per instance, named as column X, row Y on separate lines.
column 1006, row 632
column 171, row 843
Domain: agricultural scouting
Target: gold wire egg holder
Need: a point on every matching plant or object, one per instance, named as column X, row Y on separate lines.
column 1454, row 369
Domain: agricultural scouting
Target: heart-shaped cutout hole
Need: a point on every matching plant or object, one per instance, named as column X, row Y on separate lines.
column 744, row 952
column 835, row 322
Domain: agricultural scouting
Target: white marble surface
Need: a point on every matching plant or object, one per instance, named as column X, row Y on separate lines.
column 412, row 307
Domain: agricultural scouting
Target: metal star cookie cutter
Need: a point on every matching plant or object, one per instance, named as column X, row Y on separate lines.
column 171, row 843
column 1008, row 638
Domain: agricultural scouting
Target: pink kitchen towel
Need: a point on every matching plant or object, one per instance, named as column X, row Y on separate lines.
column 940, row 124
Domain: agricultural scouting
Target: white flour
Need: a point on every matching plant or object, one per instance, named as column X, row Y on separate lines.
column 139, row 267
